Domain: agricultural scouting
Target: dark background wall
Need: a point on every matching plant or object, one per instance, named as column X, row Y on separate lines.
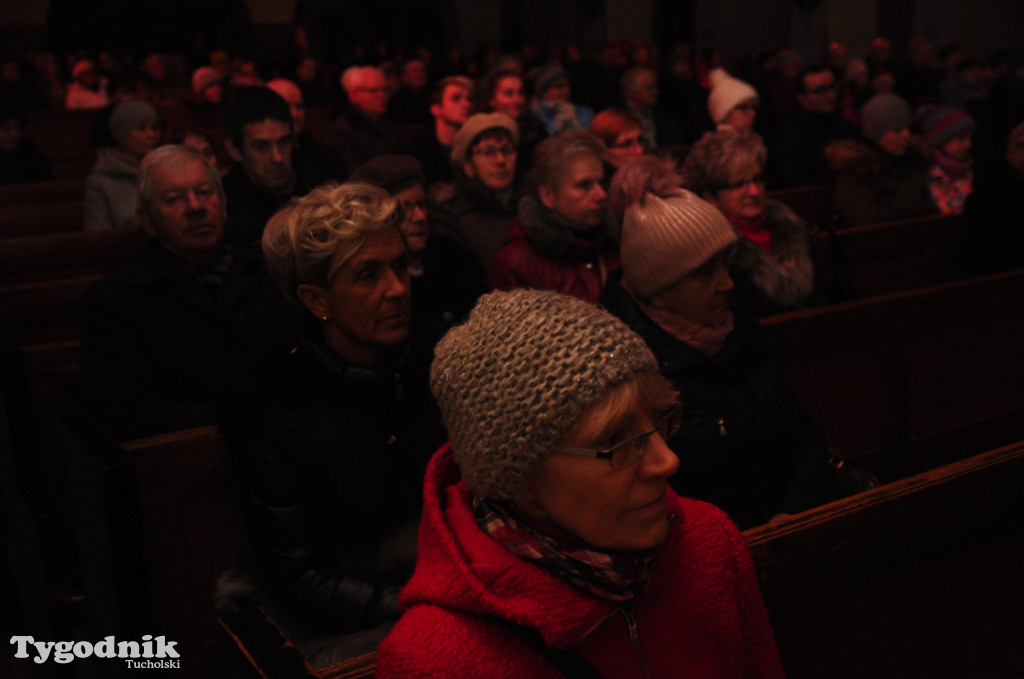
column 732, row 25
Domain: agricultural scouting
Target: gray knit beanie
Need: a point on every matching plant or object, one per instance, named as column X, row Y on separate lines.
column 517, row 375
column 882, row 113
column 127, row 115
column 666, row 239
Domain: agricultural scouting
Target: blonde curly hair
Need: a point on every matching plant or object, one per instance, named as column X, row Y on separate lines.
column 309, row 239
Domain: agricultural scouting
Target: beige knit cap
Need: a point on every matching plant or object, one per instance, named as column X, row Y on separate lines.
column 476, row 125
column 666, row 239
column 517, row 375
column 726, row 94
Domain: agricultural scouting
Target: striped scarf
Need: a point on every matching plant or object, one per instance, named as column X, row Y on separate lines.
column 615, row 577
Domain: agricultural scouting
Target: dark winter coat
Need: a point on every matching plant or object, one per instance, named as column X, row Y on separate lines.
column 331, row 460
column 161, row 353
column 476, row 219
column 875, row 187
column 748, row 446
column 356, row 138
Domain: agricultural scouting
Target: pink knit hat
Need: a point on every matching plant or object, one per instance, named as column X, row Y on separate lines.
column 666, row 239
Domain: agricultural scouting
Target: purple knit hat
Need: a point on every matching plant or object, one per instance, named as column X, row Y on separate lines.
column 939, row 124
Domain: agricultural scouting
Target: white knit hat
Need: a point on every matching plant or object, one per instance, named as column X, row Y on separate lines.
column 666, row 239
column 726, row 94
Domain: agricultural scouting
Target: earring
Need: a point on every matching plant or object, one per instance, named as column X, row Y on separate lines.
column 324, row 317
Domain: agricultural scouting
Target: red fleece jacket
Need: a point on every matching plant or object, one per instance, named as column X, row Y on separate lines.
column 701, row 615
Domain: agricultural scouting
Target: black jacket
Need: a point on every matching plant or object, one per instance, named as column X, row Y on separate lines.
column 161, row 353
column 331, row 459
column 747, row 444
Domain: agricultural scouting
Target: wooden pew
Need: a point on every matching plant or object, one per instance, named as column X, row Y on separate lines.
column 908, row 381
column 33, row 220
column 156, row 529
column 42, row 193
column 26, row 259
column 918, row 578
column 889, row 257
column 813, row 203
column 44, row 311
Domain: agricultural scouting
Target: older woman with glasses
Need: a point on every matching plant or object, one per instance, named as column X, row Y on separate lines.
column 551, row 544
column 772, row 265
column 747, row 445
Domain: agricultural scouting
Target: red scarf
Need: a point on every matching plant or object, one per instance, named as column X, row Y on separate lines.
column 755, row 231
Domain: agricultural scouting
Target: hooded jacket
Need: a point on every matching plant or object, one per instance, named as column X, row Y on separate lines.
column 700, row 616
column 875, row 187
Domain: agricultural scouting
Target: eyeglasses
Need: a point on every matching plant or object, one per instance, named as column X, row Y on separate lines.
column 744, row 183
column 629, row 452
column 824, row 89
column 628, row 143
column 490, row 152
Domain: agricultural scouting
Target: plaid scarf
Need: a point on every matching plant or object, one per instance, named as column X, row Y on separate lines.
column 211, row 278
column 615, row 577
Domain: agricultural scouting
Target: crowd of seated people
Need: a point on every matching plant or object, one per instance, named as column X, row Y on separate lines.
column 298, row 272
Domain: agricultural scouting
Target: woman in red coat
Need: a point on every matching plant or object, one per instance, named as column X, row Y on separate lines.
column 551, row 544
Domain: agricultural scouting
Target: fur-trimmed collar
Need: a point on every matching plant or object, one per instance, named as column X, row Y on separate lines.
column 786, row 276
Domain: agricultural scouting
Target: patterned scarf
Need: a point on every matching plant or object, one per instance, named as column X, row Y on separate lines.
column 211, row 278
column 954, row 168
column 614, row 577
column 707, row 341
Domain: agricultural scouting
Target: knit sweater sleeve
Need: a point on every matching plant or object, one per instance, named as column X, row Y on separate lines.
column 761, row 658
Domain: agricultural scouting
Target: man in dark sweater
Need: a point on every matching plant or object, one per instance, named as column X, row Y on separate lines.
column 260, row 137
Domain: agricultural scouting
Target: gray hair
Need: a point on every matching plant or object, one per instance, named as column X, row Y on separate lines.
column 170, row 154
column 353, row 74
column 720, row 157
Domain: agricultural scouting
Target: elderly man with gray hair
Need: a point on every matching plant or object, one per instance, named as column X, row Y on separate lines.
column 362, row 131
column 174, row 336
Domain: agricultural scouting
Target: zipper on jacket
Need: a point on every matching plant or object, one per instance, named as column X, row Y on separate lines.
column 634, row 639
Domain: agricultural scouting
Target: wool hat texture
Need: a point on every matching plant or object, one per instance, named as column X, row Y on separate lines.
column 393, row 173
column 726, row 94
column 127, row 115
column 882, row 113
column 666, row 239
column 515, row 378
column 546, row 76
column 203, row 77
column 939, row 124
column 476, row 125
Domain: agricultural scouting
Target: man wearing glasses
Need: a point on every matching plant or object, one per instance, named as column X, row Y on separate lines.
column 362, row 131
column 797, row 154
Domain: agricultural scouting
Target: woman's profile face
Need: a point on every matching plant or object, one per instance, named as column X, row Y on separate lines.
column 742, row 117
column 622, row 510
column 142, row 139
column 702, row 297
